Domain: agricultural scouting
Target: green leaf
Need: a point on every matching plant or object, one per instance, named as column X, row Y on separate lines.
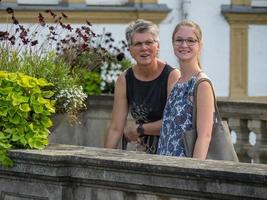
column 6, row 90
column 41, row 100
column 4, row 159
column 31, row 126
column 23, row 141
column 12, row 111
column 10, row 130
column 16, row 137
column 18, row 99
column 27, row 82
column 24, row 107
column 12, row 76
column 47, row 94
column 43, row 82
column 2, row 136
column 31, row 142
column 15, row 119
column 33, row 100
column 3, row 112
column 3, row 75
column 39, row 143
column 4, row 145
column 47, row 122
column 50, row 106
column 38, row 108
column 29, row 135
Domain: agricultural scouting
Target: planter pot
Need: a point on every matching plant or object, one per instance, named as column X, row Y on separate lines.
column 92, row 125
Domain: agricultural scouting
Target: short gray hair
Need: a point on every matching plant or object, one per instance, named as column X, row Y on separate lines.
column 141, row 26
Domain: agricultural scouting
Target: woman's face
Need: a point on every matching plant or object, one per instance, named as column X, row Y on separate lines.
column 144, row 48
column 185, row 44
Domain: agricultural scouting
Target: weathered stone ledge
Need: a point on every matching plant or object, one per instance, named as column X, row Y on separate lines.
column 68, row 172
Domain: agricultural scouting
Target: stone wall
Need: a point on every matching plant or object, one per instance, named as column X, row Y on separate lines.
column 65, row 172
column 243, row 118
column 92, row 125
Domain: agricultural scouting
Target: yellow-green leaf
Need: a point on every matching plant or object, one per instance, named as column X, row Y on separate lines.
column 3, row 112
column 31, row 126
column 42, row 82
column 18, row 99
column 41, row 100
column 38, row 108
column 15, row 119
column 24, row 107
column 12, row 76
column 47, row 122
column 47, row 94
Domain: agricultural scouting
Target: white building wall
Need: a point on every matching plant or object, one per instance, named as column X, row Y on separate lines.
column 216, row 36
column 215, row 54
column 117, row 30
column 257, row 60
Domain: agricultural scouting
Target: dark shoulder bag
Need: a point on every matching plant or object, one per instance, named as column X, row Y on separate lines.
column 221, row 146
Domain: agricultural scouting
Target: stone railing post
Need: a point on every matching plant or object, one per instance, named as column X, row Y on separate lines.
column 240, row 127
column 258, row 152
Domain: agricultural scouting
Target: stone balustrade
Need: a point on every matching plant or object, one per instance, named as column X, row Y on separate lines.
column 244, row 119
column 66, row 172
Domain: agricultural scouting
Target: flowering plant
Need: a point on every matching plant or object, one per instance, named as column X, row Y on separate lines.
column 76, row 60
column 109, row 73
column 71, row 100
column 101, row 56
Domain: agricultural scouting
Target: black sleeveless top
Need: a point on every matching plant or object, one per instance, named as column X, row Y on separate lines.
column 146, row 99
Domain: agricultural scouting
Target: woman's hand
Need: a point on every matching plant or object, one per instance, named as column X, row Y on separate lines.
column 130, row 132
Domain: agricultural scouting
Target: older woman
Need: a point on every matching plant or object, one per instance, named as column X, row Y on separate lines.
column 142, row 89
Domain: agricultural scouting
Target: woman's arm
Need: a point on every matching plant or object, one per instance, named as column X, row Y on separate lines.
column 205, row 112
column 151, row 128
column 172, row 80
column 119, row 114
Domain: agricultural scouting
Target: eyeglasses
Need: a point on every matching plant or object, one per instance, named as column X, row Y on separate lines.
column 188, row 41
column 147, row 43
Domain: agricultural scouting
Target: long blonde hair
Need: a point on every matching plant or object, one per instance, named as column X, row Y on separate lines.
column 196, row 29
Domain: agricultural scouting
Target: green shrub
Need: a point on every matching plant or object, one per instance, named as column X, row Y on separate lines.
column 25, row 113
column 51, row 68
column 66, row 56
column 90, row 81
column 47, row 66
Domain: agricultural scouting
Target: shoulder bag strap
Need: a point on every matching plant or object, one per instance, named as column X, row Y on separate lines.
column 194, row 118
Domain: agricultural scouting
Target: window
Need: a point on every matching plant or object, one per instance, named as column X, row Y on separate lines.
column 39, row 2
column 106, row 2
column 259, row 3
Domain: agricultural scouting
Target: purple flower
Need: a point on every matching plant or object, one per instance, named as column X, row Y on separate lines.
column 10, row 10
column 120, row 56
column 63, row 15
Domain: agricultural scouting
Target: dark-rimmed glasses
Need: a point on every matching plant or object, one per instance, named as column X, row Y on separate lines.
column 188, row 41
column 147, row 43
